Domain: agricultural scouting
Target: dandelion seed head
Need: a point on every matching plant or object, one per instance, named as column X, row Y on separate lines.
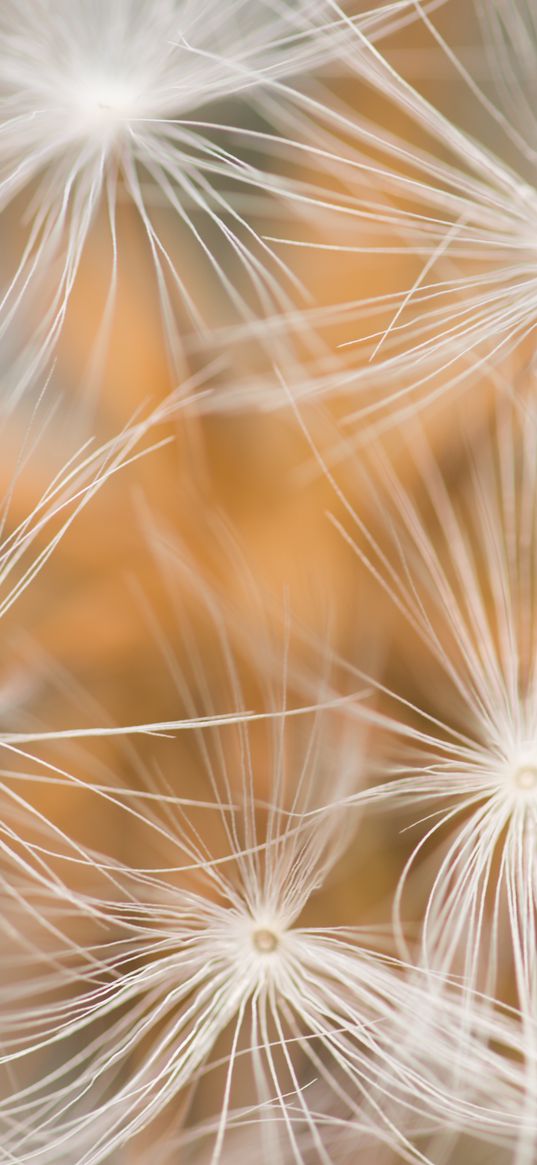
column 265, row 941
column 526, row 778
column 523, row 777
column 257, row 944
column 105, row 104
column 91, row 103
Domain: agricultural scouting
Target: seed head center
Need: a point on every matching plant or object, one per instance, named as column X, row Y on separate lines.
column 265, row 941
column 526, row 778
column 105, row 103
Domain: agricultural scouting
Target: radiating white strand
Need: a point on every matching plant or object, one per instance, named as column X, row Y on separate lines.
column 466, row 214
column 101, row 104
column 466, row 582
column 181, row 967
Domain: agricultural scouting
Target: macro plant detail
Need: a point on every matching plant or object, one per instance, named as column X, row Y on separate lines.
column 223, row 956
column 268, row 534
column 183, row 113
column 468, row 596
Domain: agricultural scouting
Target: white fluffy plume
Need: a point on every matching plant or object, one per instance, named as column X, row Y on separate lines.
column 205, row 964
column 194, row 109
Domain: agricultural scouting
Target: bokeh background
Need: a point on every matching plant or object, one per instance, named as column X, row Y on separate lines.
column 226, row 531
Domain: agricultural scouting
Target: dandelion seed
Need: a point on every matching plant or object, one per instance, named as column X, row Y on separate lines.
column 208, row 950
column 465, row 581
column 104, row 104
column 458, row 198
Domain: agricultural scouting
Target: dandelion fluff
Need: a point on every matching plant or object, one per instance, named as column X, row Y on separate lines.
column 454, row 191
column 189, row 107
column 206, row 965
column 462, row 573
